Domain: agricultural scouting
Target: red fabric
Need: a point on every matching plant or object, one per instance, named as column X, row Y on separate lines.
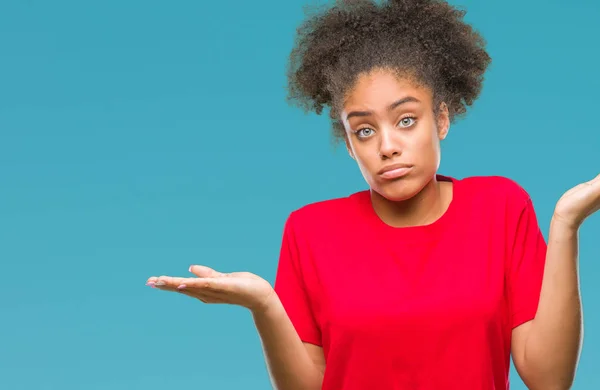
column 428, row 307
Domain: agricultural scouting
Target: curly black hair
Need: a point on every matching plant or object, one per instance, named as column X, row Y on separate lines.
column 426, row 40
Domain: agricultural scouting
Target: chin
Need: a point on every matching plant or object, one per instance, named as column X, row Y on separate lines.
column 397, row 191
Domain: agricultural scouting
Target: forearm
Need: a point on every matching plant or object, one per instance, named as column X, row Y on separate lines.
column 554, row 341
column 289, row 364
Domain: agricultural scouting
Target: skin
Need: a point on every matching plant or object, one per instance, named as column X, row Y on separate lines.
column 409, row 133
column 545, row 350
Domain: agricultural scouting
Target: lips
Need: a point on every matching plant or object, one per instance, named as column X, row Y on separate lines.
column 395, row 171
column 393, row 167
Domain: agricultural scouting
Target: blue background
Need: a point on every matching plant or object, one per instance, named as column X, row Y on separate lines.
column 139, row 137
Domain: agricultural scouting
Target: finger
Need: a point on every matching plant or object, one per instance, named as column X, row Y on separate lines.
column 216, row 285
column 594, row 186
column 202, row 271
column 177, row 283
column 169, row 282
column 201, row 290
column 151, row 281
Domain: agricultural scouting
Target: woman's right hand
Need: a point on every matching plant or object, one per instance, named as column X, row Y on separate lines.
column 210, row 286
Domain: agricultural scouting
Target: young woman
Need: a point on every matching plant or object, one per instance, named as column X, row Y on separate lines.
column 423, row 281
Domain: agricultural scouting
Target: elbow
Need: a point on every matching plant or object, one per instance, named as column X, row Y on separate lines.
column 561, row 384
column 550, row 380
column 553, row 386
column 541, row 369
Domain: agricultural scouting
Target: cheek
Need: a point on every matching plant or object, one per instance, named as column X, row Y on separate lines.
column 422, row 146
column 425, row 152
column 366, row 161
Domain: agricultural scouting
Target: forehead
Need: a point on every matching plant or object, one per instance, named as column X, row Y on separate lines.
column 379, row 88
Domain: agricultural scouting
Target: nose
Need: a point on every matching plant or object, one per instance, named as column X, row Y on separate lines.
column 390, row 145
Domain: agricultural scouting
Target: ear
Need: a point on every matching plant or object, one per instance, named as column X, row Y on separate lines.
column 443, row 121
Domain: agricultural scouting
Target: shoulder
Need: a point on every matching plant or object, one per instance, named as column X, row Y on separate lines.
column 327, row 216
column 494, row 189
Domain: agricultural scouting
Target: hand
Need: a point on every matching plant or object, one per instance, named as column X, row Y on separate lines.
column 579, row 203
column 236, row 288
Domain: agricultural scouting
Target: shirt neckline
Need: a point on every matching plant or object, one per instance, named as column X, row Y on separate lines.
column 414, row 233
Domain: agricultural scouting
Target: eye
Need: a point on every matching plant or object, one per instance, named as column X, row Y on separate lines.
column 365, row 132
column 407, row 121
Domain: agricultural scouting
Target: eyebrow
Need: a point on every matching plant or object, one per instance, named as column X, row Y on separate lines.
column 390, row 107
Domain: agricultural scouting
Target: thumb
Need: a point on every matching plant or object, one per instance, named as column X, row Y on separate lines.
column 204, row 272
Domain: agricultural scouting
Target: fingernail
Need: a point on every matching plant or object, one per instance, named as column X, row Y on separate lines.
column 159, row 283
column 181, row 286
column 151, row 284
column 190, row 269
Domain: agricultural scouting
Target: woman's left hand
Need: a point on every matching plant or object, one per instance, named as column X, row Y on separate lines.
column 578, row 203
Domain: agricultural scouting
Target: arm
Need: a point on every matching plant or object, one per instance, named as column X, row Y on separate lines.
column 288, row 327
column 289, row 333
column 546, row 350
column 292, row 364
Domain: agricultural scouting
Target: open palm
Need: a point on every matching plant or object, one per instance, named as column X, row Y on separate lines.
column 579, row 202
column 210, row 286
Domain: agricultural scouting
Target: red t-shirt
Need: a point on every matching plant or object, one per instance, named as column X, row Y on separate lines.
column 426, row 307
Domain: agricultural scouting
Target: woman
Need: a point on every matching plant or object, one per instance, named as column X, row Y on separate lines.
column 423, row 281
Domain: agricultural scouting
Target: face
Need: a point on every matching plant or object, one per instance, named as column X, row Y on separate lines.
column 393, row 133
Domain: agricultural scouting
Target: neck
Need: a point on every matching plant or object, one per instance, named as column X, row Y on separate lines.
column 422, row 209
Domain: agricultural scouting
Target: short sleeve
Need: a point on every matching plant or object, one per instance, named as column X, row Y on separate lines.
column 526, row 268
column 292, row 287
